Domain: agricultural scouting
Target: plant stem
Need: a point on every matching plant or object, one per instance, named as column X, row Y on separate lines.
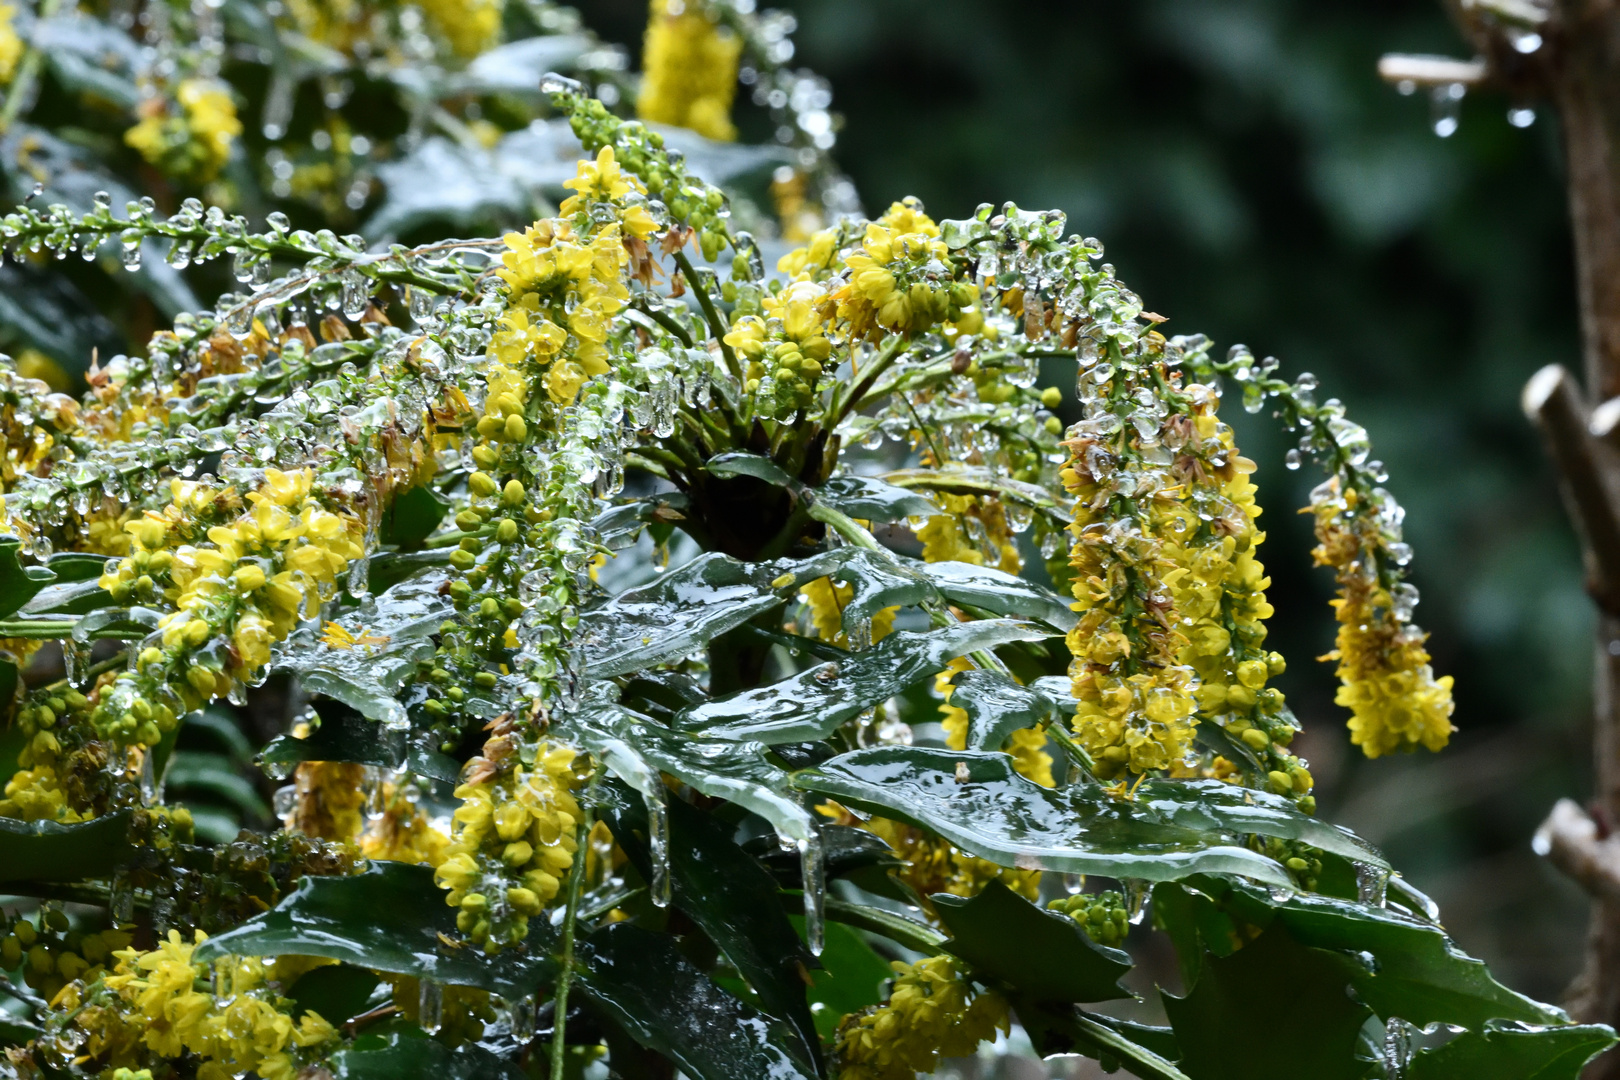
column 717, row 325
column 576, row 888
column 885, row 358
column 843, row 525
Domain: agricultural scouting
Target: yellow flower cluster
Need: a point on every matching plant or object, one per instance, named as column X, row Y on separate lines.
column 52, row 955
column 898, row 281
column 11, row 46
column 195, row 144
column 561, row 285
column 403, row 833
column 689, row 66
column 470, row 26
column 512, row 844
column 945, row 537
column 1395, row 700
column 789, row 346
column 37, row 795
column 827, row 601
column 463, row 1013
column 932, row 1012
column 1218, row 588
column 1135, row 695
column 246, row 586
column 330, row 800
column 156, row 1005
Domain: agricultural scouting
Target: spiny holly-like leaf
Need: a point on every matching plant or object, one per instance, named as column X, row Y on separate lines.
column 1504, row 1052
column 814, row 703
column 996, row 707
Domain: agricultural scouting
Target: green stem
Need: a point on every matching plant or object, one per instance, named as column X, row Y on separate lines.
column 717, row 325
column 576, row 888
column 664, row 320
column 1077, row 753
column 843, row 525
column 887, row 355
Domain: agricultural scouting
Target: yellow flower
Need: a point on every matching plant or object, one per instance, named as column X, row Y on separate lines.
column 827, row 602
column 11, row 46
column 691, row 70
column 598, row 181
column 932, row 1012
column 470, row 26
column 195, row 144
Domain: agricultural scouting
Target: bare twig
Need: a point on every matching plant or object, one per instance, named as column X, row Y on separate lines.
column 1400, row 68
column 1554, row 402
column 1569, row 840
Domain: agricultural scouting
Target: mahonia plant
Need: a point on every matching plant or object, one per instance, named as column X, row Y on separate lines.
column 682, row 646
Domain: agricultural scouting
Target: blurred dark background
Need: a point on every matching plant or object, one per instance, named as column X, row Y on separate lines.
column 1253, row 179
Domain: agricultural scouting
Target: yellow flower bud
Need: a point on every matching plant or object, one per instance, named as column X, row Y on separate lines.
column 516, row 429
column 479, row 483
column 248, row 577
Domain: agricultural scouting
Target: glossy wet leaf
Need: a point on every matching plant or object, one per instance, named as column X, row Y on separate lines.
column 641, row 981
column 866, row 498
column 851, row 978
column 974, row 481
column 637, row 749
column 1307, row 1024
column 733, row 899
column 343, row 735
column 18, row 583
column 412, row 516
column 408, row 1056
column 1213, row 804
column 1042, row 954
column 47, row 851
column 390, row 632
column 619, row 525
column 1505, row 1052
column 335, row 991
column 1417, row 973
column 14, row 1030
column 814, row 703
column 387, row 918
column 998, row 593
column 737, row 463
column 996, row 707
column 990, row 811
column 448, row 185
column 1149, row 1053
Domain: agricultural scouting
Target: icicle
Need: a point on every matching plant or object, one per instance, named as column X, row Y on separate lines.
column 75, row 659
column 120, row 899
column 1371, row 883
column 1136, row 898
column 658, row 842
column 430, row 1006
column 813, row 868
column 1445, row 104
column 151, row 783
column 521, row 1018
column 1397, row 1048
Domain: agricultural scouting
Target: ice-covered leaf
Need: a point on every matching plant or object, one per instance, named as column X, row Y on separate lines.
column 998, row 592
column 1042, row 954
column 739, row 463
column 731, row 897
column 391, row 917
column 977, row 481
column 1507, row 1052
column 867, row 498
column 516, row 67
column 18, row 583
column 387, row 634
column 406, row 1055
column 47, row 851
column 444, row 183
column 637, row 749
column 812, row 704
column 641, row 980
column 996, row 707
column 975, row 800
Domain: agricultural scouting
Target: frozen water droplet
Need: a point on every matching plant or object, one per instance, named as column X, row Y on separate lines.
column 1136, row 898
column 151, row 782
column 814, row 870
column 285, row 801
column 1445, row 108
column 1371, row 883
column 1397, row 1048
column 278, row 221
column 521, row 1018
column 1521, row 116
column 658, row 843
column 120, row 899
column 430, row 1006
column 1074, row 884
column 553, row 83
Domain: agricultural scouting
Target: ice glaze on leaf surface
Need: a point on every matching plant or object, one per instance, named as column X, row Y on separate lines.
column 1505, row 1052
column 998, row 815
column 814, row 703
column 996, row 707
column 1042, row 954
column 18, row 583
column 867, row 498
column 997, row 592
column 641, row 981
column 388, row 918
column 405, row 1056
column 47, row 851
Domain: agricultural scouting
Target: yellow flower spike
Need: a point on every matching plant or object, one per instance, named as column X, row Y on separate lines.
column 932, row 1012
column 690, row 70
column 11, row 47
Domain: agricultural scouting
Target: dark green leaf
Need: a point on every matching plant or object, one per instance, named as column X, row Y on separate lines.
column 999, row 593
column 814, row 703
column 1043, row 955
column 851, row 979
column 18, row 583
column 870, row 499
column 344, row 735
column 73, row 598
column 408, row 1057
column 618, row 526
column 336, row 992
column 738, row 463
column 1503, row 1052
column 388, row 918
column 1213, row 804
column 994, row 813
column 1293, row 999
column 71, row 566
column 642, row 982
column 413, row 517
column 195, row 772
column 730, row 896
column 220, row 726
column 996, row 707
column 636, row 750
column 46, row 851
column 1054, row 1028
column 14, row 1030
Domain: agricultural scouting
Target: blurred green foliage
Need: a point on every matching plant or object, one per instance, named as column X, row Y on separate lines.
column 1253, row 179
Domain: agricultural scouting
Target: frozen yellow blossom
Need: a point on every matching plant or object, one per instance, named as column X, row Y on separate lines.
column 469, row 26
column 690, row 64
column 932, row 1012
column 827, row 602
column 194, row 144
